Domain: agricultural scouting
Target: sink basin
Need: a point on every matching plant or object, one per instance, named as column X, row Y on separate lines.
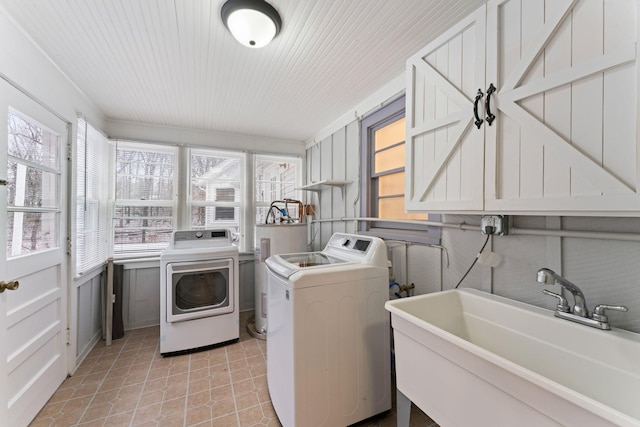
column 466, row 357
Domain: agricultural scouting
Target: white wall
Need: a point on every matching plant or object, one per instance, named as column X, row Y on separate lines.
column 607, row 271
column 201, row 138
column 23, row 65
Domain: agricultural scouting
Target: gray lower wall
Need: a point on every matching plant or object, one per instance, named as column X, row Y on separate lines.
column 607, row 271
column 141, row 301
column 141, row 293
column 88, row 314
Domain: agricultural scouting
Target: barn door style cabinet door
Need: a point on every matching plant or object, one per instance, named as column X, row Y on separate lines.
column 541, row 117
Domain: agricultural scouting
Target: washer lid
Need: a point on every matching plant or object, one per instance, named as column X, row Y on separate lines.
column 287, row 264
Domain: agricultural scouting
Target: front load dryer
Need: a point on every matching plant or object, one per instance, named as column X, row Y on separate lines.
column 198, row 291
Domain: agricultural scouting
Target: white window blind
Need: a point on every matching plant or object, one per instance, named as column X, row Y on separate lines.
column 92, row 198
column 144, row 202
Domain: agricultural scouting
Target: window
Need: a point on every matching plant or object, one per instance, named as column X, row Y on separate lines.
column 276, row 178
column 92, row 213
column 216, row 190
column 144, row 205
column 147, row 207
column 225, row 195
column 33, row 179
column 383, row 177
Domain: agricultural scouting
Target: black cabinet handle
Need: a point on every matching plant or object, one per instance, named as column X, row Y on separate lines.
column 490, row 117
column 479, row 96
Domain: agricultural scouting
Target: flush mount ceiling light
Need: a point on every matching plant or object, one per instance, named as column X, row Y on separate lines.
column 254, row 23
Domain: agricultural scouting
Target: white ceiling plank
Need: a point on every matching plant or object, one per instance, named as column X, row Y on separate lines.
column 173, row 63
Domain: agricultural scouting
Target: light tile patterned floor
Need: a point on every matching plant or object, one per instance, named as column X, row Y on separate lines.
column 130, row 384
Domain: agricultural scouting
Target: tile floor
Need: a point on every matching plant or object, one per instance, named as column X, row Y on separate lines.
column 130, row 384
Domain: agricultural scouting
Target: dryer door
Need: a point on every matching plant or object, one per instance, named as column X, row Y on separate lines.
column 199, row 289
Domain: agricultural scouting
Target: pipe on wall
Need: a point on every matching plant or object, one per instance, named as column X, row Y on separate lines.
column 580, row 234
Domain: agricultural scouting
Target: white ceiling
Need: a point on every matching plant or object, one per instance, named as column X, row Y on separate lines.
column 173, row 63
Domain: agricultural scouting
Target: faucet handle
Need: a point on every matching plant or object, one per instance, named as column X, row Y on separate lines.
column 563, row 304
column 599, row 311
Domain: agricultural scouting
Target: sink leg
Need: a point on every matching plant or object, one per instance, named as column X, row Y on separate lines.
column 403, row 409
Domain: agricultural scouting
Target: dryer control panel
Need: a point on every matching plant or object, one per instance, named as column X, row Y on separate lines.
column 197, row 238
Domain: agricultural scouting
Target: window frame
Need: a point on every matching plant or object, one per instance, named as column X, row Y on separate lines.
column 274, row 182
column 239, row 205
column 145, row 249
column 407, row 230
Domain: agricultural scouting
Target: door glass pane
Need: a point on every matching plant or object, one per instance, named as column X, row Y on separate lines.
column 30, row 141
column 30, row 232
column 33, row 186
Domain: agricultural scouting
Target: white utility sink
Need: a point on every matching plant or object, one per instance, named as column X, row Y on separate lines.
column 466, row 357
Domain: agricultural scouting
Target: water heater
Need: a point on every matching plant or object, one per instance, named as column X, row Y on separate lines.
column 272, row 239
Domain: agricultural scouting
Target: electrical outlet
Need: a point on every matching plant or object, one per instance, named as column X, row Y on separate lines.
column 498, row 222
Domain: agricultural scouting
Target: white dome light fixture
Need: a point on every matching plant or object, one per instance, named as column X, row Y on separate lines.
column 254, row 23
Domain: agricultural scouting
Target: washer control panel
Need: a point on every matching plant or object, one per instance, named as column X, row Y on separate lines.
column 353, row 247
column 350, row 242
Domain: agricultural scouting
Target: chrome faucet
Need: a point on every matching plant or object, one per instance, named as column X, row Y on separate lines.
column 550, row 277
column 580, row 313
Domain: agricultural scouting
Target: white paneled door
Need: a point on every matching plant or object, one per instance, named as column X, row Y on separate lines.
column 33, row 269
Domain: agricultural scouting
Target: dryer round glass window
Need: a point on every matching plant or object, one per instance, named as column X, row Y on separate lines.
column 199, row 288
column 200, row 291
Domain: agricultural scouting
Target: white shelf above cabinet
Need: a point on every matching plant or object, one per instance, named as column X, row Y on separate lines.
column 324, row 184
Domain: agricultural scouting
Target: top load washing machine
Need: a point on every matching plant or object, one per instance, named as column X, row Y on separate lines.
column 199, row 294
column 328, row 350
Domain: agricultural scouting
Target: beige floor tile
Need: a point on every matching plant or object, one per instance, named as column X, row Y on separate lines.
column 123, row 419
column 96, row 413
column 250, row 416
column 123, row 405
column 201, row 398
column 198, row 415
column 230, row 420
column 147, row 413
column 131, row 384
column 246, row 400
column 223, row 407
column 240, row 375
column 174, row 406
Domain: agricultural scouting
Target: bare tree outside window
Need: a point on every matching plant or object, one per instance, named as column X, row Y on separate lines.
column 33, row 176
column 144, row 195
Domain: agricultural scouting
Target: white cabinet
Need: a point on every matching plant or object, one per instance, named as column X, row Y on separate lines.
column 565, row 138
